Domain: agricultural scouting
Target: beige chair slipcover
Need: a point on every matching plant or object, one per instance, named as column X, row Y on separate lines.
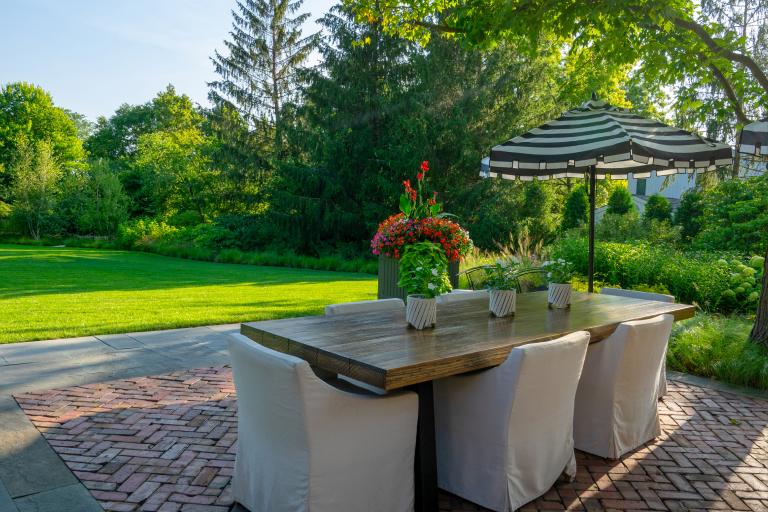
column 364, row 306
column 616, row 403
column 458, row 295
column 304, row 446
column 661, row 297
column 505, row 435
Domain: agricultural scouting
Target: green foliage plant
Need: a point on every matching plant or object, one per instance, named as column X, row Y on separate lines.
column 620, row 227
column 658, row 208
column 424, row 270
column 576, row 209
column 718, row 346
column 559, row 271
column 620, row 201
column 34, row 189
column 502, row 274
column 688, row 215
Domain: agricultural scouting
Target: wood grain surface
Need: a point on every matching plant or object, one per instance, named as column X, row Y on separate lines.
column 382, row 350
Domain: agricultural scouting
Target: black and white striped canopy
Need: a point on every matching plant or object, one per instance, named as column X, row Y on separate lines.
column 754, row 138
column 613, row 140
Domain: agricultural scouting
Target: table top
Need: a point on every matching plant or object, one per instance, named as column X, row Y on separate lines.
column 382, row 350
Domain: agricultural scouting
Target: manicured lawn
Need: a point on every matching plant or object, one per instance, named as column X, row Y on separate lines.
column 50, row 292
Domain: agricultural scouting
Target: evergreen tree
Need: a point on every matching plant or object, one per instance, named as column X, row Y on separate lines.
column 620, row 201
column 259, row 73
column 576, row 208
column 689, row 215
column 658, row 208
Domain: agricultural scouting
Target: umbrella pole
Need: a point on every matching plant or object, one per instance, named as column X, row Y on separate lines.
column 591, row 261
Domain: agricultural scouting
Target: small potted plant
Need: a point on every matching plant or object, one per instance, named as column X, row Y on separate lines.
column 501, row 281
column 424, row 275
column 559, row 275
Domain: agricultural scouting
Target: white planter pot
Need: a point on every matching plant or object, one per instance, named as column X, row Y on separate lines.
column 502, row 302
column 421, row 312
column 559, row 295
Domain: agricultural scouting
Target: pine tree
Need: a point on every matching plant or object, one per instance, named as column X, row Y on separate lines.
column 259, row 74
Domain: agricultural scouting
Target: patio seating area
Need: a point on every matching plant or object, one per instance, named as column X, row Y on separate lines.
column 167, row 441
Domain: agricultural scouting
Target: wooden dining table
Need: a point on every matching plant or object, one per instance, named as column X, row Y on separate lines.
column 381, row 350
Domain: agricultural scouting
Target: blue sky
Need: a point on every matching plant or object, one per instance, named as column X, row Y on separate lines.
column 94, row 55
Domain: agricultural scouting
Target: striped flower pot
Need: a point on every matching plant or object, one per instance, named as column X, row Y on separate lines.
column 502, row 302
column 420, row 311
column 559, row 295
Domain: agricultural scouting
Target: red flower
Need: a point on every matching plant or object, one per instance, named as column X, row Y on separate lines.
column 425, row 166
column 420, row 176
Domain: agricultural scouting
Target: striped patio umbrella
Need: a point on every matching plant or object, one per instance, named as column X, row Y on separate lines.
column 754, row 138
column 598, row 139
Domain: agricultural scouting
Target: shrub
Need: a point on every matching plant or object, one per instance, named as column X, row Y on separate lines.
column 620, row 201
column 576, row 210
column 702, row 278
column 658, row 208
column 717, row 346
column 141, row 233
column 689, row 215
column 736, row 216
column 620, row 227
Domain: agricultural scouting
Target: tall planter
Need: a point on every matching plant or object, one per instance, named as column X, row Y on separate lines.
column 389, row 269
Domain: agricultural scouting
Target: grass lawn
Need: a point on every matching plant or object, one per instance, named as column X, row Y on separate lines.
column 48, row 292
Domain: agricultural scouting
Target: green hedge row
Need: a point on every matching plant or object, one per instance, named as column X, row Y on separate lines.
column 715, row 280
column 190, row 251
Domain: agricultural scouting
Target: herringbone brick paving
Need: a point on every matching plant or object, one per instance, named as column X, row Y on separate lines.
column 167, row 443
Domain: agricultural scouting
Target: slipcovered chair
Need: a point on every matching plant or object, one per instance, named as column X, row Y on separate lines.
column 616, row 406
column 459, row 295
column 305, row 446
column 364, row 306
column 505, row 435
column 660, row 297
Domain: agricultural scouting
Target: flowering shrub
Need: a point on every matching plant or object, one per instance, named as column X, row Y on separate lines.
column 420, row 221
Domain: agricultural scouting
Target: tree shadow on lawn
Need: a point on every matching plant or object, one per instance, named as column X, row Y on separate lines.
column 171, row 437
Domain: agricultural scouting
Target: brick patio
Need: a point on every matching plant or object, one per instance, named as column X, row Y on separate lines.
column 167, row 443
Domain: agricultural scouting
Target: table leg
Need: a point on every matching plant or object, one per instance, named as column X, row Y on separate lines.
column 425, row 467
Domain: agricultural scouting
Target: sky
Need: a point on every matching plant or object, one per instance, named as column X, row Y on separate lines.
column 95, row 55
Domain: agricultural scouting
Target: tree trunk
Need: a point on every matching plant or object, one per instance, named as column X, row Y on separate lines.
column 759, row 332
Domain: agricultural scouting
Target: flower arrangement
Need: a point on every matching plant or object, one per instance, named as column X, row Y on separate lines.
column 424, row 270
column 559, row 271
column 420, row 220
column 502, row 275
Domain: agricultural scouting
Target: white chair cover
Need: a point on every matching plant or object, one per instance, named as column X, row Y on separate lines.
column 306, row 446
column 364, row 306
column 661, row 297
column 505, row 435
column 458, row 295
column 616, row 400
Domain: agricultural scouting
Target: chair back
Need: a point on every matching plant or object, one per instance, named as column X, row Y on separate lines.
column 364, row 306
column 459, row 295
column 271, row 420
column 636, row 351
column 547, row 375
column 620, row 292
